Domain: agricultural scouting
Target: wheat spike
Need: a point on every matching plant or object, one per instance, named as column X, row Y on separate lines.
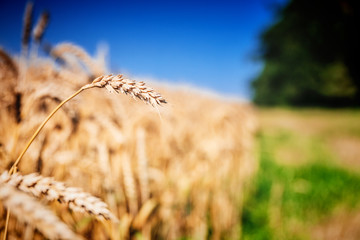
column 27, row 24
column 29, row 210
column 8, row 62
column 135, row 89
column 59, row 50
column 40, row 27
column 52, row 190
column 112, row 84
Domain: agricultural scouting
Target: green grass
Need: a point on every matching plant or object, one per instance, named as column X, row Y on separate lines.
column 288, row 199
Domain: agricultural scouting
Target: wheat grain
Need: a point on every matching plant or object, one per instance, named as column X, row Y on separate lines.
column 29, row 210
column 135, row 89
column 52, row 190
column 40, row 27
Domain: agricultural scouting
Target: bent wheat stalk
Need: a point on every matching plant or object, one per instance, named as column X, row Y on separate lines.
column 112, row 84
column 52, row 190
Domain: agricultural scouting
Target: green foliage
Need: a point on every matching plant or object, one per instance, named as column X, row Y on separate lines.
column 310, row 56
column 287, row 199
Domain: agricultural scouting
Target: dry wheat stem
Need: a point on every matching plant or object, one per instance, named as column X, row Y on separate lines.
column 52, row 190
column 41, row 127
column 129, row 185
column 29, row 210
column 142, row 166
column 146, row 210
column 6, row 224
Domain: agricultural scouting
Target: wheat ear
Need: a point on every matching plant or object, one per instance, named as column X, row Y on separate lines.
column 27, row 27
column 8, row 61
column 40, row 27
column 78, row 52
column 29, row 210
column 135, row 89
column 111, row 83
column 52, row 190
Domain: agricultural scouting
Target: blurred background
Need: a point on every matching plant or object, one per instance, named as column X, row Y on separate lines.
column 210, row 44
column 296, row 61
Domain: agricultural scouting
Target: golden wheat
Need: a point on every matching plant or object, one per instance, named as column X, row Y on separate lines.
column 52, row 190
column 27, row 26
column 129, row 185
column 113, row 84
column 40, row 27
column 29, row 210
column 142, row 166
column 8, row 62
column 181, row 176
column 60, row 50
column 8, row 75
column 135, row 89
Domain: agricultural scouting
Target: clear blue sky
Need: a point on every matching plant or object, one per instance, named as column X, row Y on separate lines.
column 209, row 44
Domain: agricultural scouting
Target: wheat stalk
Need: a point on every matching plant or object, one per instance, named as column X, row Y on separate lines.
column 142, row 166
column 129, row 185
column 40, row 27
column 144, row 214
column 112, row 84
column 52, row 190
column 29, row 210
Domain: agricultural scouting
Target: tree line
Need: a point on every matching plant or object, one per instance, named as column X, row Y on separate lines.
column 311, row 55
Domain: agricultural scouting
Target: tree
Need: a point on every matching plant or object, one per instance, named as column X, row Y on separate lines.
column 310, row 56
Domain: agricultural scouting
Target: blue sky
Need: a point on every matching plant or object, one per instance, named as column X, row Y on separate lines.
column 209, row 44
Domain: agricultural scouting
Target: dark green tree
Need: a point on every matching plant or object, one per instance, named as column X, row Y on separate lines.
column 311, row 55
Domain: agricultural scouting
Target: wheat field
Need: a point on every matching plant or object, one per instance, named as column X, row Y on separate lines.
column 173, row 165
